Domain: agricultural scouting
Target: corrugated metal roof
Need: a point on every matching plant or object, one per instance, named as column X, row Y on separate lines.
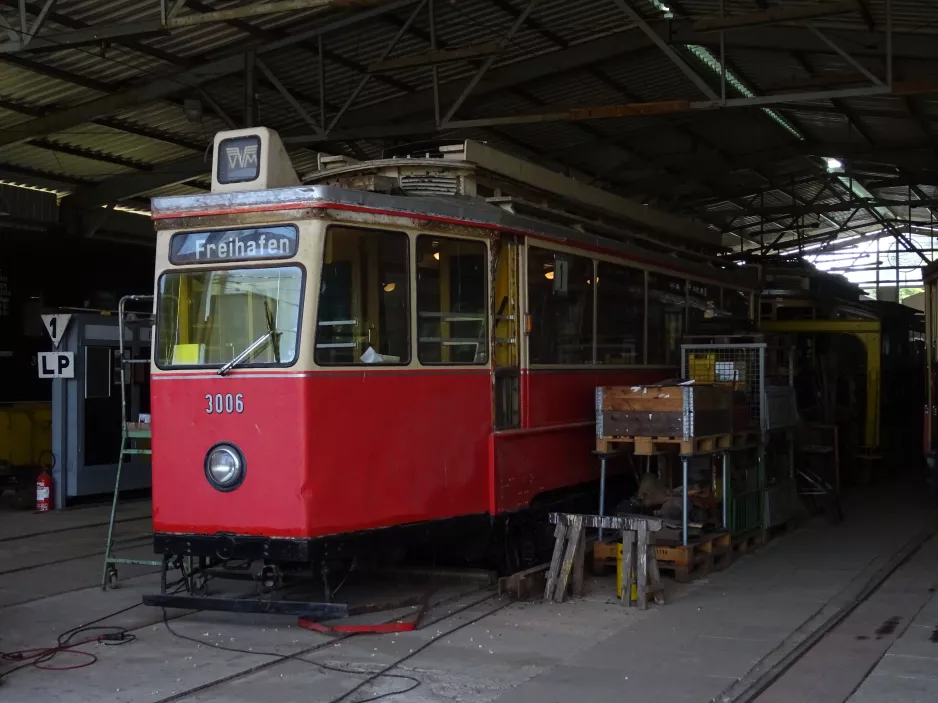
column 686, row 161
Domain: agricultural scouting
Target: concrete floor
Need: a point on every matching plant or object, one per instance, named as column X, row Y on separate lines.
column 712, row 639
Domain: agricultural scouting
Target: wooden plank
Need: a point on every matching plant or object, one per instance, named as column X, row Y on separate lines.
column 641, row 575
column 642, row 423
column 654, row 574
column 559, row 533
column 578, row 563
column 524, row 584
column 573, row 540
column 628, row 561
column 609, row 522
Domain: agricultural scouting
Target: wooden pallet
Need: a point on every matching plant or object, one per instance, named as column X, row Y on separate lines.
column 698, row 558
column 604, row 557
column 747, row 542
column 649, row 446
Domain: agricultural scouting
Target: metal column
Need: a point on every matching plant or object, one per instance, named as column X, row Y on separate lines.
column 684, row 519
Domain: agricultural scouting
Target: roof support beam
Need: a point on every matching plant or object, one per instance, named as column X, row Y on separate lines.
column 36, row 26
column 288, row 96
column 159, row 26
column 844, row 55
column 597, row 112
column 771, row 15
column 811, row 209
column 541, row 67
column 434, row 57
column 833, row 245
column 129, row 185
column 185, row 80
column 487, row 64
column 787, row 38
column 685, row 68
column 384, row 54
column 258, row 9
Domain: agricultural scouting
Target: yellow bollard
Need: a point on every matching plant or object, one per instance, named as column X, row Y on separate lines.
column 619, row 575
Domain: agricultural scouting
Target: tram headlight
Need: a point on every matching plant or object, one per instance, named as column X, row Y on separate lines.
column 224, row 467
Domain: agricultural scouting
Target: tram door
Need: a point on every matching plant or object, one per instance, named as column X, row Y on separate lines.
column 506, row 338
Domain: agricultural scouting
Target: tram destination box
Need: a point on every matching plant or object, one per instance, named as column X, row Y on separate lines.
column 666, row 410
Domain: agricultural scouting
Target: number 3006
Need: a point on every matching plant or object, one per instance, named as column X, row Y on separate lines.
column 228, row 403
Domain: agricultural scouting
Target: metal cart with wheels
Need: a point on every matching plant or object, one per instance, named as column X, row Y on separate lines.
column 133, row 436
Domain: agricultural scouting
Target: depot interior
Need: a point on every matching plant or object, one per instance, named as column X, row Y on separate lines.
column 794, row 143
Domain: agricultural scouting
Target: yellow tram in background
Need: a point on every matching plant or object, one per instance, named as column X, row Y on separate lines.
column 857, row 363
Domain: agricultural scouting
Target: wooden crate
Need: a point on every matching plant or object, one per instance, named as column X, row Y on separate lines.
column 698, row 558
column 683, row 412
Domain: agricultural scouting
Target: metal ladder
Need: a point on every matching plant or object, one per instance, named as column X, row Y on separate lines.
column 131, row 434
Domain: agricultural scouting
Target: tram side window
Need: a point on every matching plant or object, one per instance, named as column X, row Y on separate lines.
column 667, row 306
column 451, row 301
column 703, row 304
column 736, row 303
column 620, row 314
column 363, row 298
column 560, row 302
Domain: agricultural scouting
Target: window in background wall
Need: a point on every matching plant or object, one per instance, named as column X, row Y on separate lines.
column 620, row 314
column 560, row 302
column 667, row 305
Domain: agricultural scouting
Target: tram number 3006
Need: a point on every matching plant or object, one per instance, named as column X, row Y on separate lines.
column 224, row 404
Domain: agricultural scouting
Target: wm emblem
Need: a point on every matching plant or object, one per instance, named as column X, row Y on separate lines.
column 243, row 157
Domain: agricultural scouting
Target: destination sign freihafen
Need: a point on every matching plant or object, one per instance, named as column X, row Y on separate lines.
column 233, row 245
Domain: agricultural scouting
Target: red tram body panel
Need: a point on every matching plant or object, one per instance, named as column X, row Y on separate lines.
column 329, row 362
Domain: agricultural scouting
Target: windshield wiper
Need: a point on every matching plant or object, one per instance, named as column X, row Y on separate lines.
column 271, row 335
column 272, row 331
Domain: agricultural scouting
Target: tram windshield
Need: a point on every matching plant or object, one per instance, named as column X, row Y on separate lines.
column 211, row 317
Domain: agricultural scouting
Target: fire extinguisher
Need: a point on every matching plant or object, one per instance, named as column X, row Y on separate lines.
column 43, row 491
column 44, row 482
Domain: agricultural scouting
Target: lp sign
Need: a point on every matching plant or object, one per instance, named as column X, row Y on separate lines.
column 56, row 364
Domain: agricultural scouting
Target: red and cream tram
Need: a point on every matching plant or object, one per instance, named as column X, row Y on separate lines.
column 404, row 342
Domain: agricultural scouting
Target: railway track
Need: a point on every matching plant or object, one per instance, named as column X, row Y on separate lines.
column 815, row 646
column 368, row 676
column 476, row 604
column 73, row 528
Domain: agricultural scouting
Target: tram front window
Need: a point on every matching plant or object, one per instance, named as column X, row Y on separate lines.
column 209, row 318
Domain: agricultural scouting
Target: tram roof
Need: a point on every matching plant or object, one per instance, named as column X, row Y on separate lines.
column 465, row 210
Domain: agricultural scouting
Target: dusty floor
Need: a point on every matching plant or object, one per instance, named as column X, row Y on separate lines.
column 710, row 641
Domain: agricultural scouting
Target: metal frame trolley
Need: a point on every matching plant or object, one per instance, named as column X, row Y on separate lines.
column 133, row 434
column 770, row 408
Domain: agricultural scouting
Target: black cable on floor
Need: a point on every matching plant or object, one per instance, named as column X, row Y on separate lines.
column 285, row 657
column 41, row 657
column 371, row 677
